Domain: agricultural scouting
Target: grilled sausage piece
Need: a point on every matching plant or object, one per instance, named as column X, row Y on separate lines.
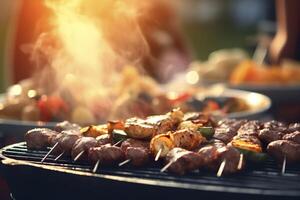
column 65, row 140
column 284, row 148
column 137, row 156
column 83, row 144
column 66, row 125
column 183, row 161
column 106, row 154
column 137, row 151
column 39, row 138
column 295, row 137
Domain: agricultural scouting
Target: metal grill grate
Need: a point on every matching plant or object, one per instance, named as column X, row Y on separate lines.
column 265, row 179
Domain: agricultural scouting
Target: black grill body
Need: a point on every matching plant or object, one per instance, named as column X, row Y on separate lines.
column 64, row 179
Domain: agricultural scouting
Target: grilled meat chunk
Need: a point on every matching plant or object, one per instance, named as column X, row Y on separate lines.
column 58, row 137
column 225, row 134
column 250, row 128
column 66, row 125
column 139, row 128
column 227, row 129
column 189, row 125
column 183, row 161
column 137, row 151
column 153, row 125
column 275, row 125
column 210, row 153
column 103, row 139
column 295, row 137
column 65, row 140
column 284, row 148
column 83, row 144
column 294, row 127
column 39, row 138
column 106, row 154
column 134, row 143
column 137, row 156
column 232, row 156
column 268, row 135
column 187, row 139
column 236, row 124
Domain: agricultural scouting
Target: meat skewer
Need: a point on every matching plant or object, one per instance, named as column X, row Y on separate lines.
column 154, row 125
column 187, row 139
column 105, row 154
column 81, row 147
column 221, row 168
column 49, row 152
column 282, row 141
column 59, row 156
column 136, row 151
column 248, row 143
column 180, row 161
column 221, row 157
column 39, row 138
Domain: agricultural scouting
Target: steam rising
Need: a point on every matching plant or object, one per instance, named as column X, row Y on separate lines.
column 89, row 42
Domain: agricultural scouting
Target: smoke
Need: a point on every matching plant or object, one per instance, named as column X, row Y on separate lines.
column 80, row 58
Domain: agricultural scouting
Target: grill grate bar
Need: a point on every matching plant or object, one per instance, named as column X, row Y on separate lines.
column 264, row 177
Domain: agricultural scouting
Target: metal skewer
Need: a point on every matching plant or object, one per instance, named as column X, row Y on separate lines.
column 117, row 143
column 60, row 155
column 96, row 166
column 51, row 150
column 124, row 162
column 158, row 154
column 241, row 160
column 166, row 166
column 78, row 156
column 283, row 165
column 221, row 168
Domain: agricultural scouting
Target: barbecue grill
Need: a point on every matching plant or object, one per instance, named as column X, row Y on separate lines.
column 29, row 179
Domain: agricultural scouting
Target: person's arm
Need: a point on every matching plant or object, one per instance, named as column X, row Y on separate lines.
column 287, row 38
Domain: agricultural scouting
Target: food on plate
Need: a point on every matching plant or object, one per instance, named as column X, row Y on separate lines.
column 135, row 95
column 234, row 66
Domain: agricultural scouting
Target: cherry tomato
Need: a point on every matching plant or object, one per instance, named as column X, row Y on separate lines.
column 51, row 106
column 180, row 98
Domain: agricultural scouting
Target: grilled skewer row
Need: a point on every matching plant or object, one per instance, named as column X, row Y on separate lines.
column 209, row 156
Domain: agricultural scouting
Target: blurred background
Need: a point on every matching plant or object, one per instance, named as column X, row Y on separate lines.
column 208, row 25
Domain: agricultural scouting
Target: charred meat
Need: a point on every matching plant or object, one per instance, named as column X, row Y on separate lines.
column 83, row 144
column 183, row 161
column 66, row 125
column 39, row 138
column 106, row 154
column 281, row 149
